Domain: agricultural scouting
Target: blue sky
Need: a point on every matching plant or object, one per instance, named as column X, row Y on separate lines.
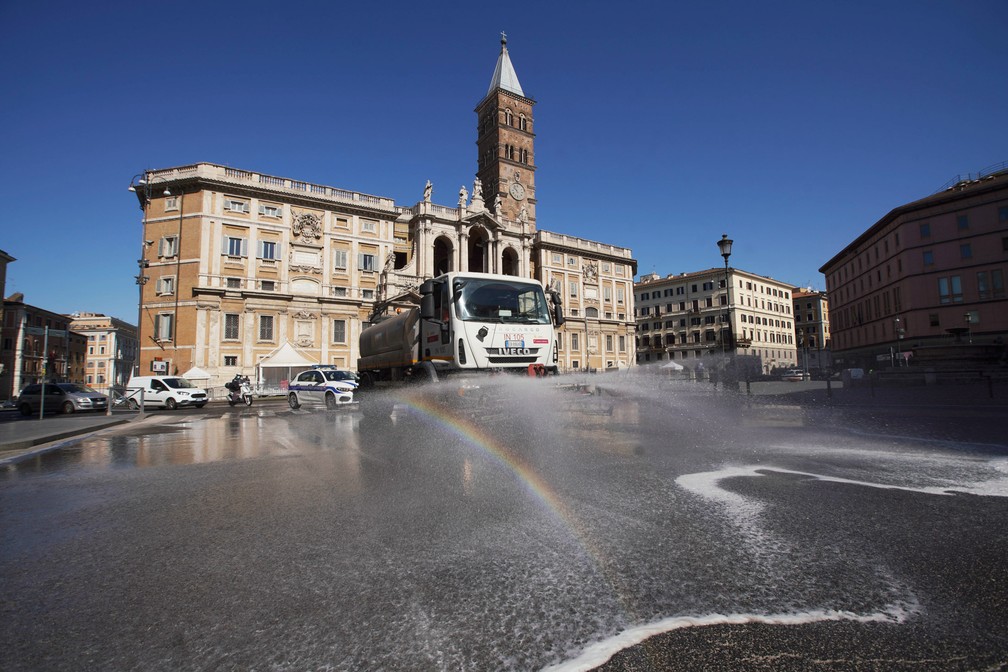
column 790, row 126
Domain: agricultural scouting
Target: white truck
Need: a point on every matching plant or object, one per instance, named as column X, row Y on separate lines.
column 466, row 323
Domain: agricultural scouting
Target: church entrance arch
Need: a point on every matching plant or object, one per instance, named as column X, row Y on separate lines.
column 479, row 245
column 442, row 256
column 509, row 262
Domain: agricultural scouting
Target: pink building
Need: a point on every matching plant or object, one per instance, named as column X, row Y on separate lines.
column 926, row 282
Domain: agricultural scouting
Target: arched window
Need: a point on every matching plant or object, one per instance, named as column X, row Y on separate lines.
column 522, row 123
column 591, row 312
column 508, row 117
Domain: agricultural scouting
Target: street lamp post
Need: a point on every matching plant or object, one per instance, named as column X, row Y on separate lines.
column 725, row 245
column 899, row 339
column 804, row 346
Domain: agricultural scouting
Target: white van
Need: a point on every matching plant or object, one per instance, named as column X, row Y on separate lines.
column 164, row 392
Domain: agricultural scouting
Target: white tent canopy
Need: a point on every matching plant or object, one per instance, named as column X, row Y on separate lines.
column 196, row 373
column 282, row 364
column 672, row 366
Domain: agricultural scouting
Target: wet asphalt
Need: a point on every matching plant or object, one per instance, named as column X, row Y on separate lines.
column 646, row 527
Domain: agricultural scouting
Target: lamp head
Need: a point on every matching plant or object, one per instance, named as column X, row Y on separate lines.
column 725, row 245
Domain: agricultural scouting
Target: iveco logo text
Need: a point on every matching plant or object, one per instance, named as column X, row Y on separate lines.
column 516, row 351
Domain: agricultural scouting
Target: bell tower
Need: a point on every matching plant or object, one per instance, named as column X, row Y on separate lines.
column 504, row 141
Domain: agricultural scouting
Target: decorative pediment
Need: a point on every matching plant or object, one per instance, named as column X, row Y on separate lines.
column 483, row 219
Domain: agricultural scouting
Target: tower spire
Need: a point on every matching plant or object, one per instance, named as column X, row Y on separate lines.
column 504, row 76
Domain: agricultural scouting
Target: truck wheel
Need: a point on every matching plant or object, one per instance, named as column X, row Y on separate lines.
column 171, row 404
column 426, row 373
column 293, row 401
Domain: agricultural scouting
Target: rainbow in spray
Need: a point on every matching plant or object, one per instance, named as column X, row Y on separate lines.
column 532, row 482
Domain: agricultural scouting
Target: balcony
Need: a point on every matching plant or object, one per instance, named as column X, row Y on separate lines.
column 223, row 174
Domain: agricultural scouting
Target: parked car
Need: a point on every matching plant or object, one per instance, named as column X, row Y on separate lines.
column 164, row 392
column 320, row 386
column 61, row 397
column 793, row 375
column 333, row 373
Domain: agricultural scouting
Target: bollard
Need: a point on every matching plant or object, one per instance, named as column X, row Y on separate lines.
column 829, row 388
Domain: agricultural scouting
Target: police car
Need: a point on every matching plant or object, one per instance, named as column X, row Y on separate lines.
column 322, row 385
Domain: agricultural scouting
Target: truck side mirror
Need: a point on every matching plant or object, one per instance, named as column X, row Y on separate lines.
column 558, row 316
column 427, row 311
column 427, row 287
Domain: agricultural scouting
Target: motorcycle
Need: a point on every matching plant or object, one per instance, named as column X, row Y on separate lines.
column 239, row 391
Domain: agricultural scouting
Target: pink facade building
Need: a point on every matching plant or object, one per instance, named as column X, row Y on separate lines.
column 926, row 283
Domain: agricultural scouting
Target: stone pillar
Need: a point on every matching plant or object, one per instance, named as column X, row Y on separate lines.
column 494, row 253
column 425, row 250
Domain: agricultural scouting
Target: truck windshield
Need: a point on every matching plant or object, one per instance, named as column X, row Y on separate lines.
column 501, row 301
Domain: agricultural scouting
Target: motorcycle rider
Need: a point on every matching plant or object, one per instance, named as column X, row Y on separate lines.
column 234, row 388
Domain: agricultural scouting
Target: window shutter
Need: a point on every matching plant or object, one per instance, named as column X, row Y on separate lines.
column 262, row 209
column 360, row 261
column 224, row 244
column 260, row 245
column 244, row 247
column 161, row 247
column 276, row 251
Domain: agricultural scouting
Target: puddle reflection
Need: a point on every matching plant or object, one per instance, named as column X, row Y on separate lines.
column 228, row 437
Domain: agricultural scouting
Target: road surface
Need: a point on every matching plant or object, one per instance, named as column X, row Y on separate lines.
column 644, row 527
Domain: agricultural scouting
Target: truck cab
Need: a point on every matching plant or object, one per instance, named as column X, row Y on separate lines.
column 465, row 323
column 486, row 322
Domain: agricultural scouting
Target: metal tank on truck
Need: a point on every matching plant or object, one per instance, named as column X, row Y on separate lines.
column 467, row 324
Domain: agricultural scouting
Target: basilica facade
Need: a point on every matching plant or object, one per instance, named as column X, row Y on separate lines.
column 245, row 272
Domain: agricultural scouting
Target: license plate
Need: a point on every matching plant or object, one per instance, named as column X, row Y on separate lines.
column 514, row 344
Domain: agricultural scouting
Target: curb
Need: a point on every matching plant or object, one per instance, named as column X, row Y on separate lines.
column 9, row 446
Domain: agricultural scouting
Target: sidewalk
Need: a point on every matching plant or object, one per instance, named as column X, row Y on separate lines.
column 21, row 435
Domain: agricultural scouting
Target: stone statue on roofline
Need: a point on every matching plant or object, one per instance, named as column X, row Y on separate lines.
column 427, row 192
